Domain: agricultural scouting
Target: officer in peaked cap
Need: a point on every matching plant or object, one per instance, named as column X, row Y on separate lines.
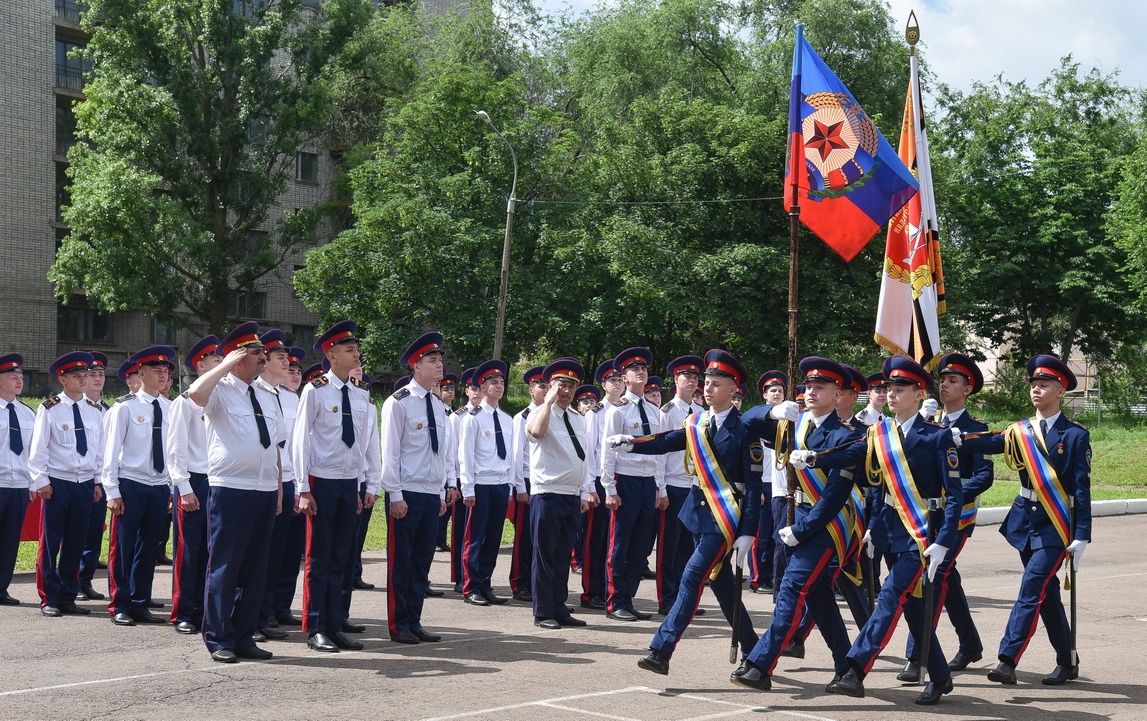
column 593, row 531
column 187, row 464
column 63, row 461
column 447, row 390
column 16, row 423
column 586, row 397
column 93, row 544
column 297, row 535
column 653, row 390
column 457, row 511
column 768, row 558
column 417, row 468
column 521, row 555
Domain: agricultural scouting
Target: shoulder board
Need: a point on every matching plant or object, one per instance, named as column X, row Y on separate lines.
column 184, row 394
column 597, row 408
column 846, row 426
column 621, row 402
column 475, row 410
column 1076, row 423
column 24, row 404
column 402, row 393
column 932, row 424
column 667, row 407
column 125, row 399
column 51, row 401
column 438, row 396
column 320, row 381
column 93, row 404
column 358, row 383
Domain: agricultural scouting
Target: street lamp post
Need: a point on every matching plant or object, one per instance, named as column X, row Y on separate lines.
column 505, row 280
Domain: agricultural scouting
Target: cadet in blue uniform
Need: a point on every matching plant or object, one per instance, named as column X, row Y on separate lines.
column 919, row 468
column 960, row 377
column 522, row 552
column 818, row 536
column 93, row 544
column 16, row 423
column 722, row 507
column 773, row 387
column 1044, row 524
column 595, row 538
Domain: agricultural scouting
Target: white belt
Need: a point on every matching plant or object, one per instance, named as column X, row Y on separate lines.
column 1029, row 493
column 932, row 504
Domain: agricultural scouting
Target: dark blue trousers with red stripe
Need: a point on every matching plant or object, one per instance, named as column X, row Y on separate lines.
column 553, row 518
column 484, row 537
column 13, row 506
column 296, row 546
column 277, row 557
column 458, row 513
column 330, row 540
column 189, row 556
column 94, row 543
column 805, row 590
column 134, row 544
column 674, row 547
column 595, row 547
column 1039, row 599
column 239, row 524
column 895, row 598
column 522, row 554
column 764, row 547
column 409, row 553
column 62, row 532
column 709, row 549
column 630, row 531
column 353, row 569
column 949, row 594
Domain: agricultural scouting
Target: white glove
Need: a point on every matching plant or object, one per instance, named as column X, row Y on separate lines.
column 928, row 410
column 869, row 415
column 868, row 547
column 621, row 442
column 1075, row 548
column 802, row 459
column 787, row 536
column 742, row 549
column 935, row 555
column 785, row 411
column 957, row 437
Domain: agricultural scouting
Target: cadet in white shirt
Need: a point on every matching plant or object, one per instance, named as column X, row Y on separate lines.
column 485, row 468
column 283, row 593
column 522, row 553
column 595, row 537
column 417, row 468
column 136, row 480
column 244, row 430
column 94, row 542
column 458, row 510
column 187, row 465
column 773, row 386
column 16, row 423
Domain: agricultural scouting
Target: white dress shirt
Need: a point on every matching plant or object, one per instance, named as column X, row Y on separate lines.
column 236, row 457
column 316, row 444
column 673, row 417
column 186, row 443
column 554, row 463
column 625, row 418
column 127, row 448
column 53, row 452
column 288, row 404
column 409, row 463
column 14, row 467
column 478, row 449
column 521, row 450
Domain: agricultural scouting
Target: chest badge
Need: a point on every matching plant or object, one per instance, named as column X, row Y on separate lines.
column 418, row 427
column 142, row 419
column 636, row 424
column 1059, row 447
column 334, row 409
column 487, row 433
column 66, row 426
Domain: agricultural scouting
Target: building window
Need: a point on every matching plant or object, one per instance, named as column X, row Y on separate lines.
column 63, row 192
column 65, row 128
column 70, row 9
column 70, row 71
column 257, row 241
column 77, row 323
column 163, row 331
column 257, row 130
column 304, row 335
column 249, row 304
column 307, row 167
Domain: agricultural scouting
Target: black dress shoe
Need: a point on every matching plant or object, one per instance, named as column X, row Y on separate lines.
column 523, row 596
column 288, row 619
column 272, row 622
column 743, row 667
column 961, row 660
column 441, row 548
column 648, row 575
column 1004, row 673
column 91, row 594
column 933, row 692
column 320, row 642
column 458, row 587
column 550, row 623
column 258, row 637
column 349, row 627
column 254, row 653
column 123, row 619
column 51, row 611
column 154, row 604
column 850, row 684
column 654, row 662
column 753, row 678
column 911, row 672
column 142, row 615
column 595, row 602
column 71, row 609
column 423, row 635
column 163, row 561
column 795, row 650
column 570, row 621
column 187, row 628
column 1061, row 675
column 224, row 655
column 434, row 593
column 7, row 600
column 407, row 637
column 271, row 634
column 641, row 615
column 832, row 684
column 622, row 614
column 362, row 585
column 346, row 642
column 492, row 599
column 477, row 600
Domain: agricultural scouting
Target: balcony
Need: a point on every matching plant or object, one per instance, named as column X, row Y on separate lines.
column 70, row 10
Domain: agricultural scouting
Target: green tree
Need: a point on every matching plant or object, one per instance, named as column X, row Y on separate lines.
column 194, row 116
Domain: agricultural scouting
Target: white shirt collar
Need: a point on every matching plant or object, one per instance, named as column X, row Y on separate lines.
column 1050, row 419
column 147, row 398
column 818, row 420
column 487, row 407
column 417, row 389
column 632, row 397
column 953, row 416
column 907, row 425
column 723, row 415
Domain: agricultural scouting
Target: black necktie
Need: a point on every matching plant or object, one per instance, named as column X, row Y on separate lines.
column 15, row 440
column 712, row 426
column 900, row 431
column 946, row 421
column 498, row 437
column 1043, row 427
column 260, row 421
column 644, row 418
column 573, row 436
column 81, row 434
column 432, row 424
column 156, row 436
column 348, row 420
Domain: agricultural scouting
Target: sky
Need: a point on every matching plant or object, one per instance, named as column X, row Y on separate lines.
column 969, row 40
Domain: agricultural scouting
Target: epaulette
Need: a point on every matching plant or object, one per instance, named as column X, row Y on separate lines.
column 185, row 394
column 51, row 401
column 597, row 408
column 93, row 404
column 621, row 402
column 974, row 419
column 437, row 395
column 475, row 410
column 320, row 381
column 931, row 423
column 401, row 393
column 359, row 383
column 1075, row 423
column 667, row 407
column 846, row 426
column 125, row 399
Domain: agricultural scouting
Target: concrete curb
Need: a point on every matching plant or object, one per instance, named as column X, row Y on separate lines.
column 1117, row 507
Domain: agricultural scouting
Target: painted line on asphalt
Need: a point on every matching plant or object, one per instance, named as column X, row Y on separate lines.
column 525, row 704
column 18, row 691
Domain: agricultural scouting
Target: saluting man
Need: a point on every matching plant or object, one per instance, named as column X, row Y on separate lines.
column 328, row 445
column 187, row 462
column 522, row 554
column 417, row 447
column 16, row 424
column 136, row 480
column 94, row 543
column 1050, row 519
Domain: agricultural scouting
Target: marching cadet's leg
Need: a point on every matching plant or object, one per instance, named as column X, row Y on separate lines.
column 709, row 550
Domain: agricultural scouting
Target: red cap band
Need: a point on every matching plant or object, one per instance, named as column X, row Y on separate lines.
column 336, row 339
column 899, row 373
column 489, row 374
column 820, row 374
column 203, row 353
column 957, row 368
column 630, row 361
column 1042, row 370
column 564, row 374
column 418, row 354
column 724, row 368
column 10, row 366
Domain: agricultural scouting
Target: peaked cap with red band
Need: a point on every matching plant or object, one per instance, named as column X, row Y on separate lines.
column 11, row 362
column 244, row 335
column 468, row 377
column 295, row 355
column 490, row 369
column 653, row 382
column 76, row 360
column 723, row 363
column 448, row 380
column 341, row 332
column 815, row 368
column 126, row 369
column 902, row 370
column 154, row 355
column 962, row 365
column 274, row 339
column 312, row 372
column 876, row 380
column 587, row 391
column 426, row 344
column 772, row 378
column 856, row 379
column 1048, row 367
column 800, row 392
column 99, row 361
column 685, row 364
column 535, row 375
column 630, row 356
column 564, row 369
column 608, row 369
column 203, row 347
